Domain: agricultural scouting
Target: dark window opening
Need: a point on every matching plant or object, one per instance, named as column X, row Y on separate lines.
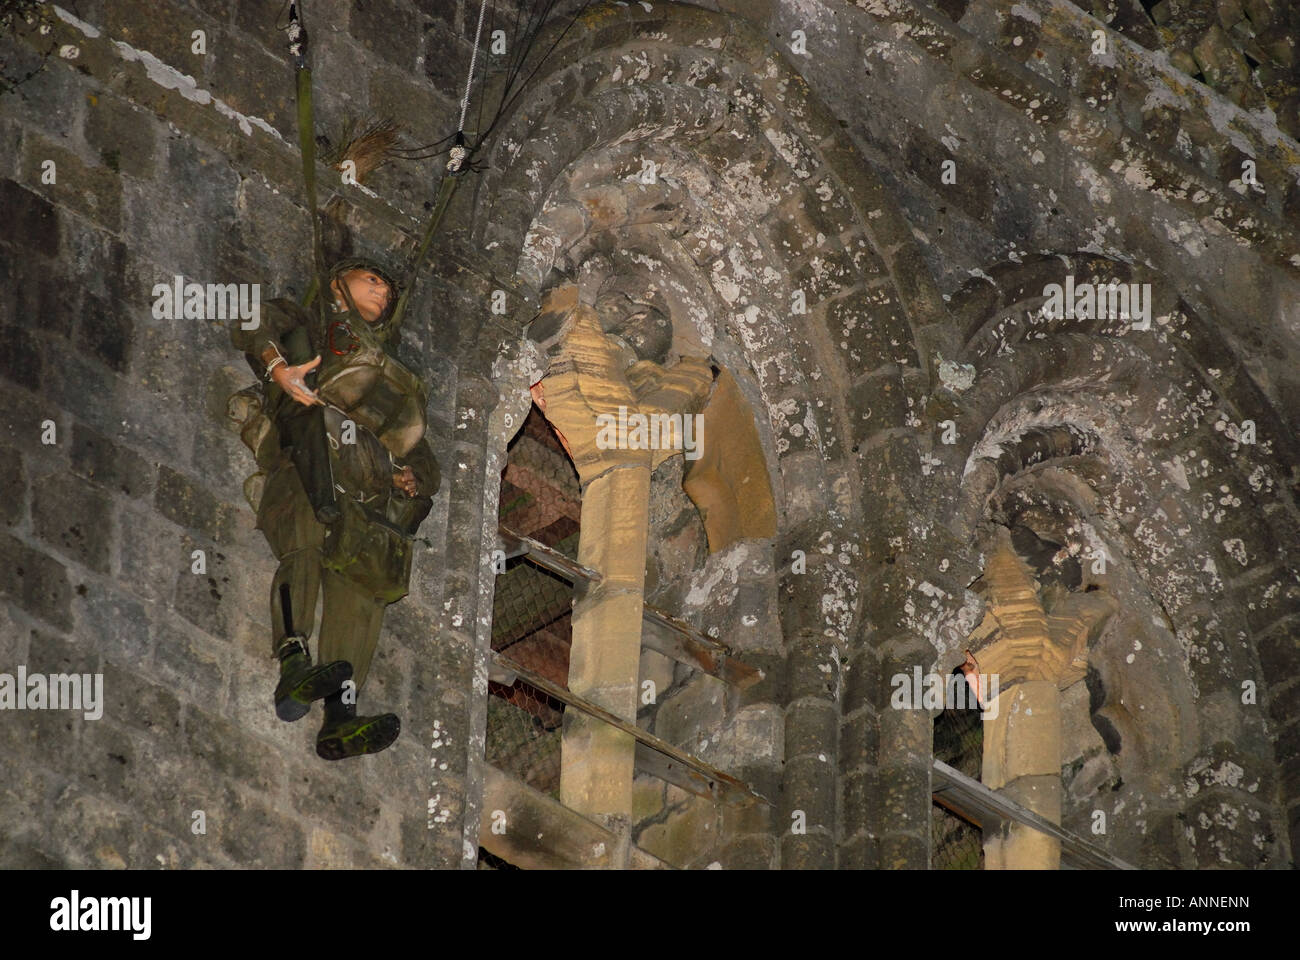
column 955, row 843
column 489, row 861
column 532, row 608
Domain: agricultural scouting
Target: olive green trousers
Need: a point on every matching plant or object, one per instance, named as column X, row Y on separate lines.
column 351, row 616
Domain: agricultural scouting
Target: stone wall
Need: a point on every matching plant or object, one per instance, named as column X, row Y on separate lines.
column 174, row 163
column 818, row 171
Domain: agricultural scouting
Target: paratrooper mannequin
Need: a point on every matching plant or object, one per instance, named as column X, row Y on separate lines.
column 345, row 480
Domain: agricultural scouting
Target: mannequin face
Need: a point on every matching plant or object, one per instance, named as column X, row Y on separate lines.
column 369, row 291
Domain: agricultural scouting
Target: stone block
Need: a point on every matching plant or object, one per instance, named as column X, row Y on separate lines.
column 772, row 688
column 657, row 669
column 693, row 714
column 871, row 327
column 162, row 27
column 755, row 737
column 18, row 854
column 110, row 464
column 24, row 361
column 904, row 852
column 174, row 849
column 195, row 665
column 134, row 701
column 904, row 798
column 972, row 186
column 40, row 296
column 802, row 504
column 746, row 853
column 862, row 805
column 862, row 852
column 105, row 332
column 810, row 728
column 108, row 756
column 151, row 553
column 1230, row 831
column 878, row 402
column 422, row 112
column 13, row 480
column 744, row 819
column 93, row 192
column 22, row 425
column 125, row 136
column 185, row 503
column 114, row 621
column 198, row 596
column 48, row 653
column 75, row 518
column 393, row 29
column 1263, row 600
column 859, row 741
column 827, row 273
column 807, row 852
column 811, row 668
column 260, row 837
column 647, row 798
column 810, row 787
column 796, row 233
column 229, row 749
column 446, row 59
column 1284, row 700
column 686, row 837
column 254, row 81
column 93, row 832
column 338, row 803
column 36, row 582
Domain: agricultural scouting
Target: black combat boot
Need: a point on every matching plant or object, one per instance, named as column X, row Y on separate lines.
column 300, row 682
column 344, row 734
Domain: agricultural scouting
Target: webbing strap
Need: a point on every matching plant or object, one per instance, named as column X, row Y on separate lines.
column 445, row 192
column 307, row 144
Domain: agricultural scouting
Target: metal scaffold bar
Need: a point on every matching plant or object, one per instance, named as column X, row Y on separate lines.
column 729, row 787
column 972, row 800
column 667, row 635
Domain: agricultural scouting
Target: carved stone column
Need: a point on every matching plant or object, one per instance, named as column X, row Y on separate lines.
column 1036, row 643
column 585, row 382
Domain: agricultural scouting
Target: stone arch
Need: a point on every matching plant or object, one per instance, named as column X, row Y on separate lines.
column 756, row 189
column 1090, row 435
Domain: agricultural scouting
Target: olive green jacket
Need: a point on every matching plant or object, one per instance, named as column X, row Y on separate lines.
column 295, row 332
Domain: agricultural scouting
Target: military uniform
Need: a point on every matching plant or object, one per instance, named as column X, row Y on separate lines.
column 324, row 493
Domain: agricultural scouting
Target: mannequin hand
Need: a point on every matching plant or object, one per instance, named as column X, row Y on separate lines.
column 406, row 482
column 290, row 380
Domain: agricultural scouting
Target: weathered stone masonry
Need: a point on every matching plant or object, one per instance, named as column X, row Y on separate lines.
column 774, row 173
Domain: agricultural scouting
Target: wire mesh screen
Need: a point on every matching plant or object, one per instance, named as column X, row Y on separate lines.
column 532, row 608
column 956, row 844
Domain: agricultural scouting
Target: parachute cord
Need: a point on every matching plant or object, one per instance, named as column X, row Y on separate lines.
column 458, row 153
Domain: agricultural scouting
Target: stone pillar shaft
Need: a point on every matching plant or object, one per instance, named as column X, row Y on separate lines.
column 1022, row 760
column 597, row 761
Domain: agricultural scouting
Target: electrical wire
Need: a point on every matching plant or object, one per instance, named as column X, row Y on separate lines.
column 508, row 98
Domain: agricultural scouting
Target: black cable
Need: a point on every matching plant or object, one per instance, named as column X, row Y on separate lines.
column 505, row 106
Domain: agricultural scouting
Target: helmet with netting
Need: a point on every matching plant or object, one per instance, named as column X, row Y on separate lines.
column 387, row 274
